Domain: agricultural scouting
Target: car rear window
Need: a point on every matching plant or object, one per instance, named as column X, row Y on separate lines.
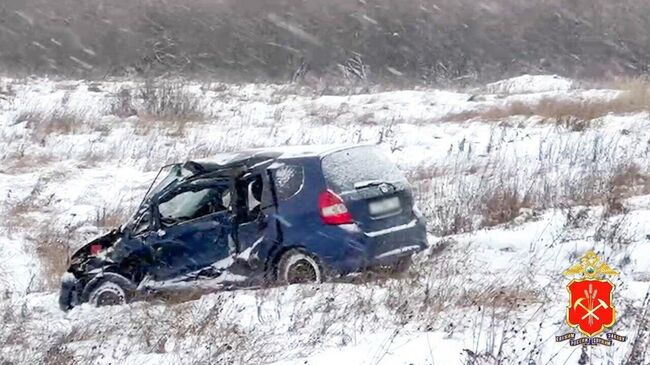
column 346, row 168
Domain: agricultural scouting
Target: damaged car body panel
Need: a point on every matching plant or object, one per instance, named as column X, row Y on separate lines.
column 281, row 214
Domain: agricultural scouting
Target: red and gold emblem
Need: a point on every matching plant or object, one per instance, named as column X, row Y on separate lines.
column 591, row 308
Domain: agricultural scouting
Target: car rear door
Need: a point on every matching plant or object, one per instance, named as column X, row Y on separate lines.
column 375, row 192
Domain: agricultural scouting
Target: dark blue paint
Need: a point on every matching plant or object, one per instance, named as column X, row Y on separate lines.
column 168, row 252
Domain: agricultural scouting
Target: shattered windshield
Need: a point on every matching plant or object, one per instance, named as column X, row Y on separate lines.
column 168, row 175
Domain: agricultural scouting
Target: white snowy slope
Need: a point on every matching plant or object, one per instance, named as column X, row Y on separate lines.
column 511, row 203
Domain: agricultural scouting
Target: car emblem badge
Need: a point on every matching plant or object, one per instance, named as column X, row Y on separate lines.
column 384, row 188
column 591, row 308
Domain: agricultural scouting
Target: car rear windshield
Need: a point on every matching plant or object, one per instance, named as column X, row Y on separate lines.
column 355, row 167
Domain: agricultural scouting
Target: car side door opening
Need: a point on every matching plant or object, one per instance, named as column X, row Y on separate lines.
column 252, row 209
column 194, row 222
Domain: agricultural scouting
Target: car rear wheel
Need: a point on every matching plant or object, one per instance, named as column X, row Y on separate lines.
column 298, row 267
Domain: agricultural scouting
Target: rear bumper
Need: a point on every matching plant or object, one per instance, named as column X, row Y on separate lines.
column 364, row 250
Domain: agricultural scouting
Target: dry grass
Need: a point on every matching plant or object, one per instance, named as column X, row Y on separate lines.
column 572, row 114
column 502, row 205
column 54, row 242
column 22, row 163
column 51, row 239
column 627, row 180
column 467, row 198
column 167, row 105
column 108, row 218
column 44, row 124
column 169, row 101
column 53, row 247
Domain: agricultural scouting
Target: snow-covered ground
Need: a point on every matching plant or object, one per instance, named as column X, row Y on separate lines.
column 511, row 204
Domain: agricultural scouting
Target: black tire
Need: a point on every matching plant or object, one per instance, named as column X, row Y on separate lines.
column 109, row 289
column 69, row 292
column 298, row 267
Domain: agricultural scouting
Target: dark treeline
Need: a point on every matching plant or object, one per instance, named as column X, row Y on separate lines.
column 423, row 41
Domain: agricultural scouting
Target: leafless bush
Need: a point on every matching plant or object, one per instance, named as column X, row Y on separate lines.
column 112, row 217
column 640, row 339
column 572, row 114
column 58, row 354
column 122, row 105
column 502, row 204
column 44, row 124
column 23, row 161
column 53, row 246
column 627, row 180
column 169, row 101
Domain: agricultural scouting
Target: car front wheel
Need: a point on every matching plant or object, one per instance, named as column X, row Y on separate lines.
column 107, row 293
column 110, row 289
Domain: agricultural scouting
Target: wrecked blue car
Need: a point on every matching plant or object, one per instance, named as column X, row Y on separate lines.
column 277, row 215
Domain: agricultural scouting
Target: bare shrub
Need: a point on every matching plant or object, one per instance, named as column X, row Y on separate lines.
column 639, row 351
column 169, row 101
column 167, row 105
column 502, row 204
column 572, row 114
column 626, row 181
column 108, row 218
column 44, row 124
column 59, row 354
column 23, row 162
column 122, row 105
column 53, row 247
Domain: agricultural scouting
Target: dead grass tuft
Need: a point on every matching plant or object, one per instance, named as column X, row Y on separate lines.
column 44, row 124
column 108, row 218
column 169, row 101
column 169, row 106
column 501, row 205
column 22, row 162
column 53, row 247
column 627, row 181
column 572, row 114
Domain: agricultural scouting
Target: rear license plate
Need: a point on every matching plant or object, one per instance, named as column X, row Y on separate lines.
column 384, row 206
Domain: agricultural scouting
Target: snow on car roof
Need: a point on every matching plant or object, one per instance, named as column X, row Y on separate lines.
column 302, row 150
column 278, row 152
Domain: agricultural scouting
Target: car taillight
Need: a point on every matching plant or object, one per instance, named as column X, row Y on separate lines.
column 95, row 249
column 333, row 209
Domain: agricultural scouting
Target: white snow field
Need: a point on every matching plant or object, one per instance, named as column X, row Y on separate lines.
column 517, row 179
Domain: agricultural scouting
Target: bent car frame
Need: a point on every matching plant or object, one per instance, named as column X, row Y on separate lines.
column 288, row 215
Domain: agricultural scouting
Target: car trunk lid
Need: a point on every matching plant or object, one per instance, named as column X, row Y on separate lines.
column 374, row 191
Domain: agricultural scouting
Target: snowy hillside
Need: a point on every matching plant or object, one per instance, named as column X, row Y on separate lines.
column 517, row 180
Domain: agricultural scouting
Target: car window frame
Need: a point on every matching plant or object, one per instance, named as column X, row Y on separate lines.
column 156, row 211
column 152, row 222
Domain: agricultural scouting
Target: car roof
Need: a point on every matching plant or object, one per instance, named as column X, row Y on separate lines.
column 252, row 157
